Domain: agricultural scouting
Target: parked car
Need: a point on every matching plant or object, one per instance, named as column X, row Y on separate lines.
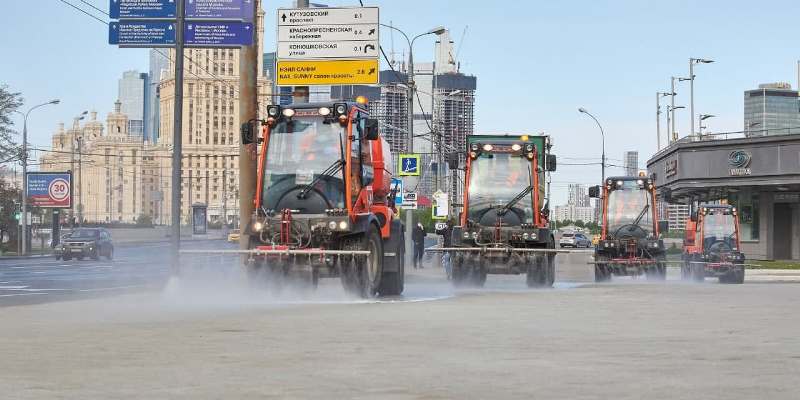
column 575, row 240
column 86, row 242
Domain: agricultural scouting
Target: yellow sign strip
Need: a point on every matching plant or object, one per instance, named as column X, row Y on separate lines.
column 330, row 72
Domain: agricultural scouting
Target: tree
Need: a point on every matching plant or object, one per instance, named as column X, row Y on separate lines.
column 580, row 224
column 9, row 103
column 8, row 224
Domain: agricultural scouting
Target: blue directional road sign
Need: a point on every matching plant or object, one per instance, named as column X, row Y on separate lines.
column 409, row 165
column 142, row 33
column 150, row 9
column 218, row 34
column 220, row 9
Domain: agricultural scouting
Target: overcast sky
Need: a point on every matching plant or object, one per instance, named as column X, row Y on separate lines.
column 536, row 63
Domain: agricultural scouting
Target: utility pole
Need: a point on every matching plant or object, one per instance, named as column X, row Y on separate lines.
column 24, row 160
column 80, row 181
column 225, row 192
column 409, row 250
column 691, row 94
column 177, row 139
column 248, row 112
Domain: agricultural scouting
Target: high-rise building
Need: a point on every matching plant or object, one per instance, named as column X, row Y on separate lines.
column 159, row 65
column 631, row 163
column 772, row 109
column 211, row 126
column 578, row 195
column 134, row 101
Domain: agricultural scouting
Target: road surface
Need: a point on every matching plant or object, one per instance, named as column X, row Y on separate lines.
column 209, row 337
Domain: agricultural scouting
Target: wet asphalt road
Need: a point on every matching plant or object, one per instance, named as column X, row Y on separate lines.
column 134, row 268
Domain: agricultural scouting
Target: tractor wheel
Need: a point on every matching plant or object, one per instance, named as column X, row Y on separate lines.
column 735, row 276
column 363, row 277
column 460, row 273
column 110, row 255
column 537, row 276
column 602, row 271
column 698, row 269
column 686, row 268
column 478, row 274
column 394, row 267
column 657, row 272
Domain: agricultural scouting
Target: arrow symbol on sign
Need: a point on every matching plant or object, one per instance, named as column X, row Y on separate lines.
column 371, row 32
column 368, row 47
column 371, row 71
column 284, row 17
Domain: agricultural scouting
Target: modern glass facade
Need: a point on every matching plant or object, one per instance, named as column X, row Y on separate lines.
column 133, row 99
column 771, row 110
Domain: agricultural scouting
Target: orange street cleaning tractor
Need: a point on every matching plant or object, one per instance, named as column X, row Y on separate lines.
column 323, row 203
column 711, row 247
column 504, row 228
column 630, row 243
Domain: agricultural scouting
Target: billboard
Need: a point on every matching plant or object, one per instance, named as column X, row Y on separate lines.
column 50, row 189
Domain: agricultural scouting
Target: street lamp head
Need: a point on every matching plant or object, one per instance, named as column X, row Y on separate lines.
column 582, row 110
column 704, row 61
column 56, row 101
column 437, row 31
column 704, row 117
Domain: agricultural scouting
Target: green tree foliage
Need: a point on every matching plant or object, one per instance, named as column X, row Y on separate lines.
column 8, row 224
column 9, row 103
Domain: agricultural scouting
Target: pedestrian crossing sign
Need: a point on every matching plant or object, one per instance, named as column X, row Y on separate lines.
column 409, row 165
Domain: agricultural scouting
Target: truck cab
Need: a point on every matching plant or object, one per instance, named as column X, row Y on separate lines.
column 630, row 242
column 712, row 245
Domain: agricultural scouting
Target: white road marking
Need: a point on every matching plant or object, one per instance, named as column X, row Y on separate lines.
column 12, row 287
column 22, row 294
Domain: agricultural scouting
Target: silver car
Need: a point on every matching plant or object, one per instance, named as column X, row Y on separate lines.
column 575, row 240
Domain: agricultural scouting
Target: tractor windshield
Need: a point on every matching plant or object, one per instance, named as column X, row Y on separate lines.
column 630, row 210
column 495, row 180
column 302, row 152
column 719, row 226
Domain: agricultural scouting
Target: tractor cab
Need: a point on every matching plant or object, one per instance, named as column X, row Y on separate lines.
column 711, row 246
column 630, row 242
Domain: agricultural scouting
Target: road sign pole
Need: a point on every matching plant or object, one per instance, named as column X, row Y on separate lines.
column 302, row 94
column 248, row 111
column 177, row 139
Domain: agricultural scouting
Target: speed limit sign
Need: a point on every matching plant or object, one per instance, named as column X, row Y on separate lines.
column 59, row 189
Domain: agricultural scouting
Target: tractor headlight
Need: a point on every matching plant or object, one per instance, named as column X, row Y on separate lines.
column 533, row 236
column 466, row 235
column 273, row 111
column 606, row 245
column 288, row 113
column 474, row 235
column 516, row 147
column 332, row 225
column 344, row 225
column 324, row 111
column 525, row 236
column 258, row 226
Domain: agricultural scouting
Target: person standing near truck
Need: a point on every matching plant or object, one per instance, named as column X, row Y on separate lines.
column 418, row 236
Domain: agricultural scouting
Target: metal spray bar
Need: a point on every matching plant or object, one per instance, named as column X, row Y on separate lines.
column 258, row 252
column 501, row 250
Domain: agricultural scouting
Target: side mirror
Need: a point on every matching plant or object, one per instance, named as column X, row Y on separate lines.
column 663, row 226
column 452, row 161
column 372, row 132
column 594, row 192
column 551, row 163
column 248, row 134
column 693, row 217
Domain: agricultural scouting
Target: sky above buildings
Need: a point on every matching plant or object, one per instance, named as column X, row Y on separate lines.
column 536, row 63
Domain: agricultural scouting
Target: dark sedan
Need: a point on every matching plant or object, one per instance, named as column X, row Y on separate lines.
column 86, row 242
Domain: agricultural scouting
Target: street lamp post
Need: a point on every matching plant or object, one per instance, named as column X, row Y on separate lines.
column 603, row 160
column 704, row 117
column 79, row 118
column 659, row 95
column 411, row 93
column 24, row 217
column 692, row 62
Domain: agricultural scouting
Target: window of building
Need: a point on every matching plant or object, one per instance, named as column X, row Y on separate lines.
column 749, row 216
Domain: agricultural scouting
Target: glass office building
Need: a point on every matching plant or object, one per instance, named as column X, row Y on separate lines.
column 772, row 109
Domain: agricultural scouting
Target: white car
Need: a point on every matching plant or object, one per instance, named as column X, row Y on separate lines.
column 575, row 240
